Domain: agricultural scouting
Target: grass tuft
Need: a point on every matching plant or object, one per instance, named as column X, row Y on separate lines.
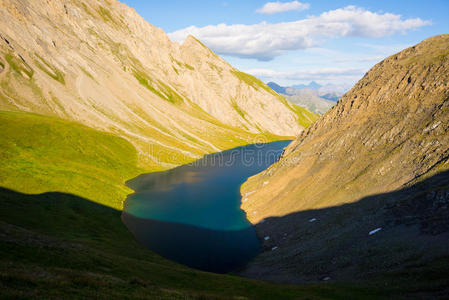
column 19, row 66
column 105, row 14
column 50, row 70
column 238, row 109
column 162, row 90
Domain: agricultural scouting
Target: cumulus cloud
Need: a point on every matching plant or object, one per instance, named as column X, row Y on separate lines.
column 264, row 41
column 277, row 7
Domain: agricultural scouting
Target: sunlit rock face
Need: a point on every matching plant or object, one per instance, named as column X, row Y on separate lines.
column 101, row 64
column 387, row 136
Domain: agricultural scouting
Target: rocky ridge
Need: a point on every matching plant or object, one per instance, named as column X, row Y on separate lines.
column 352, row 172
column 100, row 64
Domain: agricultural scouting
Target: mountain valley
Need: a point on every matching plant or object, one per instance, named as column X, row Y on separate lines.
column 308, row 96
column 99, row 108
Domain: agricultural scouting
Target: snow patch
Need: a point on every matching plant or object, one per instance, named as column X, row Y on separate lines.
column 434, row 126
column 312, row 220
column 266, row 238
column 375, row 230
column 274, row 248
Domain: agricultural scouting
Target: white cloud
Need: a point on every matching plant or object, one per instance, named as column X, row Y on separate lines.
column 371, row 58
column 305, row 74
column 277, row 7
column 264, row 41
column 386, row 49
column 336, row 75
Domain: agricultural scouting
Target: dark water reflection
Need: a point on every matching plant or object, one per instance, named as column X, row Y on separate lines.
column 191, row 214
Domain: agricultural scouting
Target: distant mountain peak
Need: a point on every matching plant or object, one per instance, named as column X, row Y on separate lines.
column 276, row 87
column 314, row 85
column 305, row 97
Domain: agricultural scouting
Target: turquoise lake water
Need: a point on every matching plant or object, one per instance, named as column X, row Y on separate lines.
column 191, row 214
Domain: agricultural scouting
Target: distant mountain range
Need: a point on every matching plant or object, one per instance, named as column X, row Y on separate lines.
column 329, row 91
column 313, row 96
column 312, row 85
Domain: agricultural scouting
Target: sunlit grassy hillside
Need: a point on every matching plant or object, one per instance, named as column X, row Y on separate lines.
column 41, row 154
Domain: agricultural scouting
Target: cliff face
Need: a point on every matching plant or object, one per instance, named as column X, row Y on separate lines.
column 388, row 134
column 99, row 63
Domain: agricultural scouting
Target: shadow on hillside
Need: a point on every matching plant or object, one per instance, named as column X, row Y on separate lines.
column 337, row 244
column 62, row 215
column 219, row 251
column 342, row 242
column 71, row 217
column 56, row 245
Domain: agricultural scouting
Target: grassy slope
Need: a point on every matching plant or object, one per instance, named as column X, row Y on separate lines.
column 41, row 154
column 66, row 246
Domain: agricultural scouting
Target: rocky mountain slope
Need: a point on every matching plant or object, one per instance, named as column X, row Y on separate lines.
column 365, row 189
column 304, row 97
column 309, row 99
column 100, row 64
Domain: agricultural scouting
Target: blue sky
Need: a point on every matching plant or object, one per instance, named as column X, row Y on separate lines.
column 290, row 42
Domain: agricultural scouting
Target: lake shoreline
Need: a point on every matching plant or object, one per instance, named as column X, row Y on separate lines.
column 197, row 207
